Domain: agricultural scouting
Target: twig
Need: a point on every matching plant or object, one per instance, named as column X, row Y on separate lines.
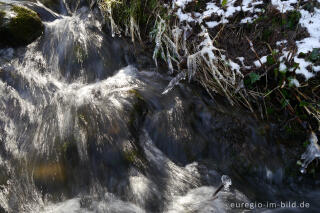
column 254, row 51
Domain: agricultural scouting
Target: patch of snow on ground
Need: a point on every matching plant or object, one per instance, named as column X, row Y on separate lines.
column 248, row 20
column 282, row 66
column 234, row 66
column 212, row 24
column 303, row 64
column 213, row 9
column 316, row 68
column 294, row 82
column 181, row 3
column 309, row 20
column 262, row 60
column 284, row 6
column 279, row 43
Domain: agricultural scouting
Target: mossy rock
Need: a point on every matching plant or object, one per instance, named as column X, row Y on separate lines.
column 18, row 25
column 138, row 112
column 133, row 156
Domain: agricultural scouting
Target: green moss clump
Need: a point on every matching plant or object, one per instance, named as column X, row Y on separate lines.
column 136, row 94
column 70, row 153
column 292, row 19
column 22, row 29
column 315, row 55
column 270, row 60
column 132, row 155
column 266, row 34
column 2, row 15
column 138, row 112
column 26, row 26
column 79, row 52
column 82, row 119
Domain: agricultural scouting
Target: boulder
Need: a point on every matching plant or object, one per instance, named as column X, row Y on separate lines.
column 18, row 25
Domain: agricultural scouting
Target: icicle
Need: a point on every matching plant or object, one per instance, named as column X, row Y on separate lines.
column 313, row 152
column 172, row 47
column 134, row 29
column 175, row 81
column 169, row 62
column 161, row 26
column 114, row 28
column 176, row 34
column 107, row 6
column 192, row 65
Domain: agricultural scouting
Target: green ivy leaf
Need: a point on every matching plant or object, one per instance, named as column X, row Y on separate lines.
column 254, row 77
column 270, row 60
column 224, row 3
column 315, row 55
column 306, row 144
column 303, row 103
column 295, row 65
column 276, row 72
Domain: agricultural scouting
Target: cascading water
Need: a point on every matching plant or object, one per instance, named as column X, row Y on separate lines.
column 83, row 130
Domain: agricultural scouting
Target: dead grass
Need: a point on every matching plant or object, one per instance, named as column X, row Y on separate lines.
column 203, row 56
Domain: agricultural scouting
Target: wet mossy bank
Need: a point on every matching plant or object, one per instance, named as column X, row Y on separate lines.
column 267, row 85
column 18, row 25
column 270, row 91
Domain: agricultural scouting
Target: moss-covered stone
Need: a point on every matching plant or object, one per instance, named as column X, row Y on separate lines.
column 139, row 110
column 133, row 156
column 20, row 29
column 70, row 153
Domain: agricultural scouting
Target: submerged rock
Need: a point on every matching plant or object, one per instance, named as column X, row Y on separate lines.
column 18, row 25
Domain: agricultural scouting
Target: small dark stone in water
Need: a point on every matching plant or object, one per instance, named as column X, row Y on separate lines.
column 85, row 202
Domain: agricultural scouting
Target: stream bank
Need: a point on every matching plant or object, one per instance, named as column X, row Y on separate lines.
column 260, row 55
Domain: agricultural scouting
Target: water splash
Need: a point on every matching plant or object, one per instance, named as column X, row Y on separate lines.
column 226, row 181
column 312, row 153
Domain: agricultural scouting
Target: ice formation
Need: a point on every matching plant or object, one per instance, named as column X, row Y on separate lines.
column 312, row 153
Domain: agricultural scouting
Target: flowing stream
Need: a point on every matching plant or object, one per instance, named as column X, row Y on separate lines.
column 85, row 128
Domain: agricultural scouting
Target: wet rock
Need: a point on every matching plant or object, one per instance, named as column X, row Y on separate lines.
column 46, row 14
column 138, row 112
column 18, row 25
column 4, row 176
